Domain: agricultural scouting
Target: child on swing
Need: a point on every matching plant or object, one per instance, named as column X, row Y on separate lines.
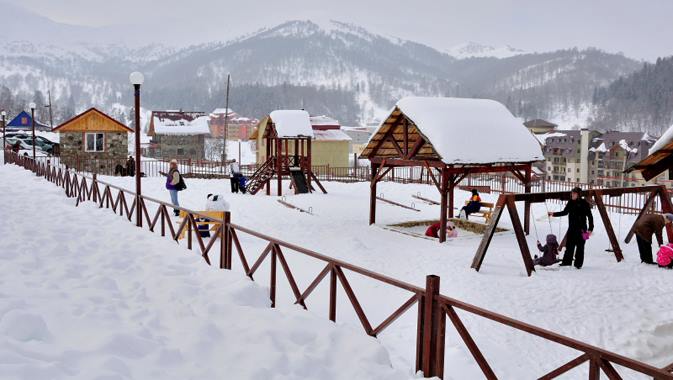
column 549, row 252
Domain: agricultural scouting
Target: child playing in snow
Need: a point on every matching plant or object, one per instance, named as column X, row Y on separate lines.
column 550, row 252
column 665, row 256
column 433, row 230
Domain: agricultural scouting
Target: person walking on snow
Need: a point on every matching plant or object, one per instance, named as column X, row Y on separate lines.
column 578, row 211
column 646, row 226
column 174, row 183
column 235, row 175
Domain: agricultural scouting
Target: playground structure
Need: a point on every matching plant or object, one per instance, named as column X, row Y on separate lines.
column 287, row 136
column 509, row 201
column 451, row 138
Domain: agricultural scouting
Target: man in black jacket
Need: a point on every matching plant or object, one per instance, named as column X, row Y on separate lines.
column 578, row 211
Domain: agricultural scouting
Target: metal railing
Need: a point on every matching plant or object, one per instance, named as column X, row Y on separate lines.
column 432, row 307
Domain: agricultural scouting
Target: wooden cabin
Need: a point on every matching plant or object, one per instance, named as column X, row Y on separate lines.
column 93, row 141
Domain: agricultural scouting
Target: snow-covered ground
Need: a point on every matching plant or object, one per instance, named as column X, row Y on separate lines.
column 86, row 295
column 622, row 307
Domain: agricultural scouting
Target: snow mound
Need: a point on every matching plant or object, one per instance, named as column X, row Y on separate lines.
column 93, row 297
column 292, row 123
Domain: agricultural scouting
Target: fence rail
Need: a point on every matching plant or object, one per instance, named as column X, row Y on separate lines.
column 432, row 307
column 496, row 183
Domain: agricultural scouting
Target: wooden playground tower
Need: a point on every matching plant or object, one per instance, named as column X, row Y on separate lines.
column 288, row 154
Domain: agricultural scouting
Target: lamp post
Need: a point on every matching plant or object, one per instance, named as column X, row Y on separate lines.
column 137, row 80
column 32, row 120
column 3, row 118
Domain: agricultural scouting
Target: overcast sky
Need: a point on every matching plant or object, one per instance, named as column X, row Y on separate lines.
column 640, row 28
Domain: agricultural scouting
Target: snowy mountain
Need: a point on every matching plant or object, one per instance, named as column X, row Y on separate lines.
column 476, row 50
column 330, row 68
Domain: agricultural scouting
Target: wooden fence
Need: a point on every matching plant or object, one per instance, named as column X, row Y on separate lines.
column 432, row 308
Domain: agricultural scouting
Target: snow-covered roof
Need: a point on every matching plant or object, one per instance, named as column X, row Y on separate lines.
column 664, row 140
column 292, row 123
column 323, row 120
column 165, row 126
column 222, row 111
column 542, row 138
column 471, row 131
column 331, row 135
column 601, row 148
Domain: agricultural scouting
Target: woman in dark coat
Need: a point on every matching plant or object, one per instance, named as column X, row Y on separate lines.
column 473, row 205
column 578, row 211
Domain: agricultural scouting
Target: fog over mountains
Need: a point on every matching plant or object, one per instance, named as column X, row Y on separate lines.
column 331, row 68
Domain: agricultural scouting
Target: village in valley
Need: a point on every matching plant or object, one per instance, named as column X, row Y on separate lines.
column 349, row 230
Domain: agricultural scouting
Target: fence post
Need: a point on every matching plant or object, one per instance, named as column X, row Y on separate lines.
column 431, row 330
column 94, row 189
column 225, row 242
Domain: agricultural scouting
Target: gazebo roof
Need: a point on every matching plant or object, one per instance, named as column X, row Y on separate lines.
column 455, row 131
column 659, row 159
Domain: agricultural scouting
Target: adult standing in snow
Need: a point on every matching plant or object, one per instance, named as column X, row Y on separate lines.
column 174, row 183
column 131, row 166
column 578, row 211
column 646, row 226
column 235, row 176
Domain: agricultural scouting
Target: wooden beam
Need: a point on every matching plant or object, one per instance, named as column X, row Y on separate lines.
column 406, row 139
column 442, row 208
column 488, row 233
column 417, row 147
column 565, row 195
column 642, row 212
column 396, row 146
column 432, row 175
column 666, row 207
column 520, row 236
column 598, row 197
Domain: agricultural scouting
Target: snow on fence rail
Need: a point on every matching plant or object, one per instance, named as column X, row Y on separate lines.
column 432, row 307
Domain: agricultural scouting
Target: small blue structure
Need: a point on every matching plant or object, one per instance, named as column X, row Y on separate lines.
column 23, row 122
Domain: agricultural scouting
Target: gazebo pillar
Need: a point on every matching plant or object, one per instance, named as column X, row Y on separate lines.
column 452, row 186
column 444, row 190
column 309, row 162
column 268, row 155
column 279, row 166
column 527, row 187
column 372, row 194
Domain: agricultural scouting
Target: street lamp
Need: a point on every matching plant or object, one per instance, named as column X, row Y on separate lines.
column 137, row 80
column 32, row 120
column 3, row 118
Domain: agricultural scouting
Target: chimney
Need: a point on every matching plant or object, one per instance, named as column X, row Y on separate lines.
column 584, row 155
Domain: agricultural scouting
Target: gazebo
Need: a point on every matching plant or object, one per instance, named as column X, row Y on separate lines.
column 451, row 138
column 285, row 137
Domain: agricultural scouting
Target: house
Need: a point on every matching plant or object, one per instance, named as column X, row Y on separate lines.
column 539, row 126
column 23, row 122
column 614, row 152
column 238, row 127
column 593, row 157
column 359, row 137
column 178, row 134
column 93, row 141
column 330, row 145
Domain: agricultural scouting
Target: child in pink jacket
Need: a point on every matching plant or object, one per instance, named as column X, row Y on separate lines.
column 665, row 256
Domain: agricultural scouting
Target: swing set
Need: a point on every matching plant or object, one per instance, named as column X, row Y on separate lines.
column 509, row 201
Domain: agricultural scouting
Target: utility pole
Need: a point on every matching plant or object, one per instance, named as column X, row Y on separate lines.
column 51, row 115
column 226, row 124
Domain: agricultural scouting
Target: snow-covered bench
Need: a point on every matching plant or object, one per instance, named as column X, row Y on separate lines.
column 486, row 210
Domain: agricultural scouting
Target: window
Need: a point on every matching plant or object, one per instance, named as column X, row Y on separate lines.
column 95, row 142
column 181, row 152
column 578, row 170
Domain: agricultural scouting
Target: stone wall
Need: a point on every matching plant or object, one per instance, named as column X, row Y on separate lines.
column 73, row 153
column 179, row 146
